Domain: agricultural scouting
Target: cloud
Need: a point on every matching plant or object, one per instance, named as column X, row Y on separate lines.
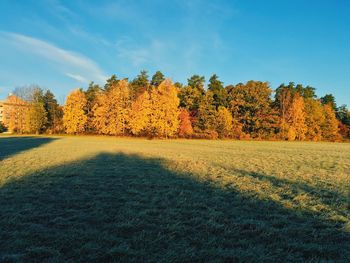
column 127, row 49
column 80, row 67
column 77, row 77
column 59, row 10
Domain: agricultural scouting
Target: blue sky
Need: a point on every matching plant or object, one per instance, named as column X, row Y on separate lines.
column 62, row 45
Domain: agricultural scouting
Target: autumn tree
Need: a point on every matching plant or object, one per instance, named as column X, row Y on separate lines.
column 185, row 128
column 22, row 101
column 251, row 105
column 164, row 120
column 344, row 130
column 330, row 126
column 74, row 118
column 190, row 99
column 283, row 100
column 314, row 117
column 140, row 114
column 224, row 122
column 296, row 119
column 111, row 112
column 36, row 116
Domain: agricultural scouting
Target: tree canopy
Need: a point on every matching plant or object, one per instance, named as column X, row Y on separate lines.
column 160, row 108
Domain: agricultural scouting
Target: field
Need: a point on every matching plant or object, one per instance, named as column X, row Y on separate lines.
column 89, row 199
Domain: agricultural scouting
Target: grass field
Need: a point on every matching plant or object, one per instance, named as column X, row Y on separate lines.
column 89, row 199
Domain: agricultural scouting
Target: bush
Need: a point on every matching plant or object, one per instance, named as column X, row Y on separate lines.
column 208, row 134
column 244, row 136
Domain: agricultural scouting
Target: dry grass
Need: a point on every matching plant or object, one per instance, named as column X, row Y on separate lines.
column 107, row 199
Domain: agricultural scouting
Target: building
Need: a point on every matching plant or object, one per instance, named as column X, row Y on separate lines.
column 13, row 113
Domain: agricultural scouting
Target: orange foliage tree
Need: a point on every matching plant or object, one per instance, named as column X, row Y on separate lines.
column 185, row 128
column 330, row 126
column 74, row 118
column 296, row 114
column 140, row 114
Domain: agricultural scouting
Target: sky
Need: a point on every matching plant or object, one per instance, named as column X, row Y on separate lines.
column 62, row 45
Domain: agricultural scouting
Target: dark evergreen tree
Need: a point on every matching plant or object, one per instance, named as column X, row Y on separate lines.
column 329, row 99
column 54, row 112
column 219, row 93
column 140, row 84
column 343, row 115
column 206, row 117
column 196, row 82
column 91, row 97
column 157, row 78
column 113, row 80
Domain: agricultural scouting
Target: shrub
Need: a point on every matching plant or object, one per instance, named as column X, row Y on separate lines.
column 207, row 134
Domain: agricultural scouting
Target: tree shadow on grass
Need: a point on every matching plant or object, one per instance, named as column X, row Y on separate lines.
column 12, row 145
column 325, row 196
column 117, row 207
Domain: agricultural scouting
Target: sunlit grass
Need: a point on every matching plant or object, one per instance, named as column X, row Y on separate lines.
column 173, row 200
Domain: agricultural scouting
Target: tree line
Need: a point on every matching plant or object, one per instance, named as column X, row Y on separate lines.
column 159, row 108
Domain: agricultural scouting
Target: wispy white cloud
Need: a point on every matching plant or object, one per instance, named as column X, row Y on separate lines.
column 136, row 54
column 65, row 60
column 59, row 10
column 90, row 37
column 77, row 77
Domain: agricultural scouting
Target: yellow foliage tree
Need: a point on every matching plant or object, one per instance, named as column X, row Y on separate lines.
column 224, row 122
column 111, row 112
column 314, row 117
column 140, row 114
column 36, row 118
column 330, row 126
column 164, row 121
column 74, row 118
column 296, row 119
column 291, row 134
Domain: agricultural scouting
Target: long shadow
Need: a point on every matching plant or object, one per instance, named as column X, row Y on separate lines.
column 325, row 196
column 117, row 207
column 12, row 145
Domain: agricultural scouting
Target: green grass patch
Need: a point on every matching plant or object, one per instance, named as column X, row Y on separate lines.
column 98, row 199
